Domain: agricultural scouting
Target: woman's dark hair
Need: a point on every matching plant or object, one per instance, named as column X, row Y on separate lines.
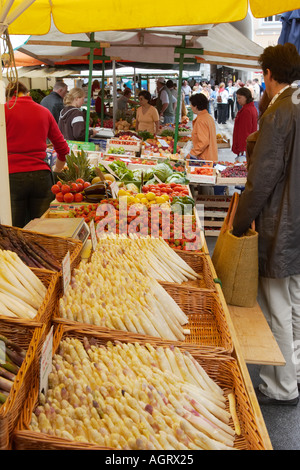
column 14, row 89
column 243, row 91
column 283, row 61
column 146, row 95
column 200, row 101
column 170, row 83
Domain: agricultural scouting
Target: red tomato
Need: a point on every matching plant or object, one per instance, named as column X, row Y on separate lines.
column 60, row 197
column 55, row 189
column 78, row 197
column 65, row 188
column 74, row 188
column 68, row 197
column 79, row 187
column 86, row 184
column 80, row 180
column 59, row 183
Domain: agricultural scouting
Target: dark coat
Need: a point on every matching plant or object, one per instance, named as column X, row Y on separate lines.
column 245, row 124
column 271, row 195
column 72, row 123
column 54, row 103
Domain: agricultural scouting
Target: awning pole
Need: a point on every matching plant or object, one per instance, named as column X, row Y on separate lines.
column 89, row 97
column 178, row 107
column 5, row 206
column 114, row 94
column 102, row 89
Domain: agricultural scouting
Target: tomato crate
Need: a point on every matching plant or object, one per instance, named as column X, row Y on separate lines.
column 201, row 172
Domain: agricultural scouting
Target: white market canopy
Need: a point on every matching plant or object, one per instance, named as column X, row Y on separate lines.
column 222, row 44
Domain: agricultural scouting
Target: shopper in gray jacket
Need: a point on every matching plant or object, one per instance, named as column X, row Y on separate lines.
column 55, row 100
column 271, row 198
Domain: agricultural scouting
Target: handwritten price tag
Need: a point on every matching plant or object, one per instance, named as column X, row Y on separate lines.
column 93, row 235
column 46, row 362
column 66, row 271
column 114, row 187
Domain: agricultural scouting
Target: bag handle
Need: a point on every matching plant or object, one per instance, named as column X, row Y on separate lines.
column 228, row 222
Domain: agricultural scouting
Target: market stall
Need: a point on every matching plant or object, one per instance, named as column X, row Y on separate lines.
column 186, row 305
column 81, row 384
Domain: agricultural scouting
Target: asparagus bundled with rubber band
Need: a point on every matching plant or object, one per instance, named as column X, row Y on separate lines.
column 21, row 291
column 120, row 396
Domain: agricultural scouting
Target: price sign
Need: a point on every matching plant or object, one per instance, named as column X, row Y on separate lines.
column 114, row 187
column 93, row 235
column 157, row 179
column 46, row 362
column 163, row 143
column 66, row 271
column 107, row 167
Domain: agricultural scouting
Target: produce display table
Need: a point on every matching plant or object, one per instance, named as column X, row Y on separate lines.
column 258, row 345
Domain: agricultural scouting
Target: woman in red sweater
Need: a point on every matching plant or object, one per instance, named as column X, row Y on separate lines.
column 245, row 122
column 28, row 125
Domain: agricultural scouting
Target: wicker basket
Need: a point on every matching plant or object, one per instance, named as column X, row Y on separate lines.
column 201, row 266
column 52, row 282
column 30, row 339
column 207, row 321
column 223, row 369
column 58, row 246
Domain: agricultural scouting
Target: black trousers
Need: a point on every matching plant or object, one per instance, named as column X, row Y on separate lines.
column 230, row 108
column 30, row 194
column 222, row 113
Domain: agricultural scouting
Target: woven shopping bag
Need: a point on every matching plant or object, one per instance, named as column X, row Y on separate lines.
column 236, row 261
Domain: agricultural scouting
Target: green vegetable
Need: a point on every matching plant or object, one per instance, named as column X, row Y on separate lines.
column 162, row 171
column 177, row 177
column 152, row 181
column 121, row 170
column 145, row 135
column 167, row 132
column 183, row 205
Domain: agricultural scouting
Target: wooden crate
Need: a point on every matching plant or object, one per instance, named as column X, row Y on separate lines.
column 215, row 211
column 222, row 369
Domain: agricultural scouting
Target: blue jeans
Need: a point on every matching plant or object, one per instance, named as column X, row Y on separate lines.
column 187, row 99
column 30, row 195
column 168, row 119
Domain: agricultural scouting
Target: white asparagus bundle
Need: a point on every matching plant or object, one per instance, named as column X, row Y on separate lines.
column 154, row 255
column 113, row 292
column 130, row 396
column 21, row 291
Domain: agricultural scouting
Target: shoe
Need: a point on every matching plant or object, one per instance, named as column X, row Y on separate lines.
column 264, row 400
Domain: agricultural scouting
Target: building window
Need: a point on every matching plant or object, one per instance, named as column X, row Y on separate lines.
column 272, row 19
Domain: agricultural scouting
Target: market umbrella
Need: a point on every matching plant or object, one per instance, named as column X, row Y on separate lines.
column 290, row 31
column 31, row 17
column 77, row 16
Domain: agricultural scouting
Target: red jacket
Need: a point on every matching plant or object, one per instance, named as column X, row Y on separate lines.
column 245, row 123
column 28, row 125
